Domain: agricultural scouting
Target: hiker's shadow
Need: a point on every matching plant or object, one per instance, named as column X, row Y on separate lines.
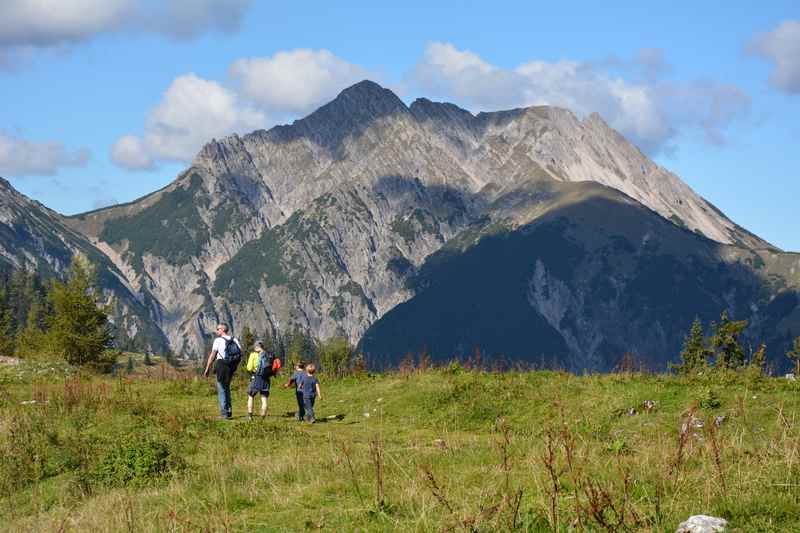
column 322, row 420
column 330, row 418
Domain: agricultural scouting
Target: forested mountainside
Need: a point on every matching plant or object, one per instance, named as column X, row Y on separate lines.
column 34, row 238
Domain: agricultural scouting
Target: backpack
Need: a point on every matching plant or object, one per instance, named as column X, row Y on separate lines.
column 264, row 368
column 233, row 354
column 268, row 365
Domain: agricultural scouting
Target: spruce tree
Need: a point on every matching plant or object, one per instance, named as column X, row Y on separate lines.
column 725, row 342
column 301, row 347
column 79, row 329
column 794, row 355
column 248, row 339
column 6, row 333
column 758, row 360
column 31, row 341
column 695, row 353
column 335, row 356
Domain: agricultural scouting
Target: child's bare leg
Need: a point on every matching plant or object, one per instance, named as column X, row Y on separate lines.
column 264, row 405
column 249, row 405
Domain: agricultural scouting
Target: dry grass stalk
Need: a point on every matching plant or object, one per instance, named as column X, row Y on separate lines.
column 376, row 447
column 684, row 434
column 716, row 453
column 129, row 517
column 437, row 492
column 353, row 477
column 784, row 421
column 549, row 462
column 604, row 511
column 568, row 442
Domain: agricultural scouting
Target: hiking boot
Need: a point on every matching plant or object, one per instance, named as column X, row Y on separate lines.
column 249, row 416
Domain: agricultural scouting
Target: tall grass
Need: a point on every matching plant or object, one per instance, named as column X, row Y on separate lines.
column 448, row 449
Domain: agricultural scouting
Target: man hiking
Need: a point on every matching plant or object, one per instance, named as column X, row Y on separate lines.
column 226, row 352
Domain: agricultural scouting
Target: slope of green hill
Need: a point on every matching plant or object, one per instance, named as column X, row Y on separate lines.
column 433, row 450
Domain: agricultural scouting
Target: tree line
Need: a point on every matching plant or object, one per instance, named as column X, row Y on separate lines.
column 335, row 356
column 55, row 319
column 723, row 349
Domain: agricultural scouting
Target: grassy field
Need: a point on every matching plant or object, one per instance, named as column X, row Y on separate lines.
column 435, row 450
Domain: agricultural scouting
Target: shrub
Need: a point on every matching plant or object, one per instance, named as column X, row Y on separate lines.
column 136, row 461
column 335, row 356
column 710, row 399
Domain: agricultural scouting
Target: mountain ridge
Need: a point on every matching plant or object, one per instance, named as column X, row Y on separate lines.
column 324, row 221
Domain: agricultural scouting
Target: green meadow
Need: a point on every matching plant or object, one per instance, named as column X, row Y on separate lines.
column 444, row 449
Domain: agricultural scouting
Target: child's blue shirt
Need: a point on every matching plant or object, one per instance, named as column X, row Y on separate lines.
column 310, row 386
column 297, row 377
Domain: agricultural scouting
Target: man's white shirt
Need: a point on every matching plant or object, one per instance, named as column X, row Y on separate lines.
column 219, row 345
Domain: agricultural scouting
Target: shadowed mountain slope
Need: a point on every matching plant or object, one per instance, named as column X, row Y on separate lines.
column 583, row 276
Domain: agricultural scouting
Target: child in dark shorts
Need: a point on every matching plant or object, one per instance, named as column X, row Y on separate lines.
column 296, row 379
column 259, row 384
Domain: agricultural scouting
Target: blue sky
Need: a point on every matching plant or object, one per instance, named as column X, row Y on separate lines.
column 105, row 104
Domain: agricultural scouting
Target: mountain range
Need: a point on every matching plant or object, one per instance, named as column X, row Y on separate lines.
column 529, row 234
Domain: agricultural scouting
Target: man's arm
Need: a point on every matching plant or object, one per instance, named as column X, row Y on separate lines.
column 211, row 357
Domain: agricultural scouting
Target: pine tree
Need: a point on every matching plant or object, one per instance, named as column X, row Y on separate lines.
column 758, row 360
column 129, row 368
column 248, row 339
column 31, row 340
column 794, row 356
column 695, row 353
column 301, row 347
column 335, row 356
column 6, row 333
column 725, row 342
column 79, row 329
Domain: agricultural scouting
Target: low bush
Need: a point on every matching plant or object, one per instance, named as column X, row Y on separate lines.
column 136, row 461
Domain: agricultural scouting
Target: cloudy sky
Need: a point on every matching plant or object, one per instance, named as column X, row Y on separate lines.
column 103, row 102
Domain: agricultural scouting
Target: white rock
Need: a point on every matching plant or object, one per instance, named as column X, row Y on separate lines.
column 791, row 377
column 702, row 524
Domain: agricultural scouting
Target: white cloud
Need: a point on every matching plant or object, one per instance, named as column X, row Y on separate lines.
column 186, row 19
column 46, row 24
column 129, row 152
column 295, row 82
column 19, row 157
column 192, row 111
column 53, row 22
column 649, row 113
column 781, row 47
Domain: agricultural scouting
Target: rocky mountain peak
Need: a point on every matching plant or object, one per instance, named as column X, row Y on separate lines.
column 353, row 110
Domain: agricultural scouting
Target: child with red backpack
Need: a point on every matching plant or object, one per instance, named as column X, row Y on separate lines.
column 262, row 366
